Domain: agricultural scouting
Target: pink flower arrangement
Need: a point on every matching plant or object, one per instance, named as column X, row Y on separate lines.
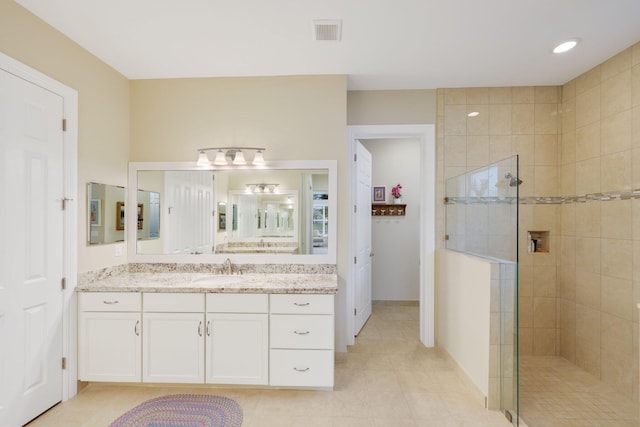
column 395, row 191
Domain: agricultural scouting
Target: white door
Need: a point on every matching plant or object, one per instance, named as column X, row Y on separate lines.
column 31, row 245
column 363, row 237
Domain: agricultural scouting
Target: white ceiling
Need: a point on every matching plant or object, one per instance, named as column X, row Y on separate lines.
column 386, row 44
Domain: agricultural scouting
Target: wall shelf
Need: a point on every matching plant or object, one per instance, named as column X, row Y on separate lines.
column 382, row 209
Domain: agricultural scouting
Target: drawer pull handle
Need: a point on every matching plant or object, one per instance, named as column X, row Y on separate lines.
column 301, row 369
column 208, row 328
column 135, row 329
column 301, row 333
column 299, row 304
column 110, row 302
column 200, row 328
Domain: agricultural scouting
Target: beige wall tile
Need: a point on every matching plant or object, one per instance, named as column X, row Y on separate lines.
column 524, row 146
column 451, row 171
column 455, row 96
column 544, row 342
column 617, row 258
column 588, row 107
column 546, row 181
column 635, row 165
column 522, row 119
column 544, row 311
column 568, row 179
column 617, row 297
column 616, row 173
column 616, row 132
column 588, row 254
column 568, row 145
column 525, row 341
column 567, row 256
column 617, row 353
column 500, row 119
column 616, row 370
column 477, row 95
column 546, row 150
column 545, row 218
column 635, row 54
column 478, row 125
column 525, row 312
column 588, row 219
column 588, row 289
column 568, row 343
column 635, row 85
column 616, row 219
column 544, row 281
column 568, row 220
column 455, row 151
column 636, row 260
column 568, row 115
column 477, row 150
column 588, row 141
column 636, row 301
column 588, row 339
column 546, row 118
column 616, row 94
column 499, row 147
column 635, row 127
column 616, row 64
column 522, row 95
column 588, row 80
column 455, row 120
column 569, row 90
column 567, row 279
column 500, row 95
column 588, row 176
column 547, row 94
column 635, row 219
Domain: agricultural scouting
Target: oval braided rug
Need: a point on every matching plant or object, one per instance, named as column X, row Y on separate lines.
column 183, row 410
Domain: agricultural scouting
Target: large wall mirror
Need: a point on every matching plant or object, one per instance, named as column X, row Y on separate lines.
column 105, row 205
column 282, row 213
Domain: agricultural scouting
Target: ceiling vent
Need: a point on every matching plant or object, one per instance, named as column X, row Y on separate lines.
column 327, row 30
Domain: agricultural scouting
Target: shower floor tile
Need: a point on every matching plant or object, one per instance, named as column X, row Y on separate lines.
column 556, row 393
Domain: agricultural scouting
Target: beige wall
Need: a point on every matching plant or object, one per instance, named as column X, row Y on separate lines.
column 391, row 107
column 599, row 265
column 103, row 110
column 583, row 138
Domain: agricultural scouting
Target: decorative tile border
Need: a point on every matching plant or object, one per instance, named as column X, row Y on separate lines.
column 602, row 197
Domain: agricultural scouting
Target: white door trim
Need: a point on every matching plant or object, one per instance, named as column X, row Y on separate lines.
column 426, row 135
column 70, row 165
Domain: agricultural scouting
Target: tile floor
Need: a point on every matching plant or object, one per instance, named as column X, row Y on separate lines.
column 556, row 393
column 387, row 379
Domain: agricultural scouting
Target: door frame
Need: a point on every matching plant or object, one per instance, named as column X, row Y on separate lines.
column 70, row 233
column 426, row 135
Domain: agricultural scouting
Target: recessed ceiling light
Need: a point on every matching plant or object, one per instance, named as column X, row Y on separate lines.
column 566, row 46
column 473, row 114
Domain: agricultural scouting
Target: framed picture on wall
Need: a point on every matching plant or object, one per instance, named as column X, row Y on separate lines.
column 119, row 215
column 379, row 194
column 95, row 218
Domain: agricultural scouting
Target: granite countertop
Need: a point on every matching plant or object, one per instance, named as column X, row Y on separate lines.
column 215, row 283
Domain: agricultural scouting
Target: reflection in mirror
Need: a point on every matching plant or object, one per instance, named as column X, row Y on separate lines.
column 225, row 211
column 104, row 213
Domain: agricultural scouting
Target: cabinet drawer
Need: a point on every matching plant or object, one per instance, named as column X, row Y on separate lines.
column 301, row 304
column 302, row 368
column 173, row 303
column 110, row 301
column 301, row 331
column 237, row 303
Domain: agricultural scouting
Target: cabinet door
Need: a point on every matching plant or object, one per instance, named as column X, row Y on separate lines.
column 237, row 348
column 173, row 346
column 109, row 347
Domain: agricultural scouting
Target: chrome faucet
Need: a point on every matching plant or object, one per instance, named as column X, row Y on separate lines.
column 227, row 268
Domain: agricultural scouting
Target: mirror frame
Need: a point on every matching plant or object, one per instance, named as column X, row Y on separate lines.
column 329, row 258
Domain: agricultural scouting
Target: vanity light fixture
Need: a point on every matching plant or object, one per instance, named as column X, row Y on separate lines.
column 230, row 155
column 566, row 46
column 262, row 188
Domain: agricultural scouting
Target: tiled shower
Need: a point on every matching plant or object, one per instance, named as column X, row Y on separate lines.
column 579, row 162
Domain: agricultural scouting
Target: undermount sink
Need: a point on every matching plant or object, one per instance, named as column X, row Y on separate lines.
column 222, row 279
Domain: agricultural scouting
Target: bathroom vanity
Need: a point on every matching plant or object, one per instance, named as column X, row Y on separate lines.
column 193, row 328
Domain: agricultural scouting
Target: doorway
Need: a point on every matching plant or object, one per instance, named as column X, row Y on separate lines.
column 425, row 134
column 38, row 242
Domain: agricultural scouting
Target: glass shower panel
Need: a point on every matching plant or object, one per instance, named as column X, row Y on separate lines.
column 482, row 220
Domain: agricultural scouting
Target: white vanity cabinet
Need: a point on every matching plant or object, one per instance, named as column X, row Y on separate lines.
column 301, row 340
column 109, row 336
column 237, row 339
column 173, row 337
